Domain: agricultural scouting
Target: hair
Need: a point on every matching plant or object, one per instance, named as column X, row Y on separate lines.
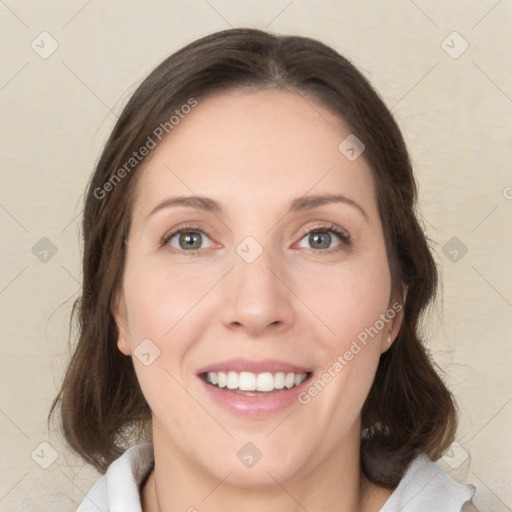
column 408, row 410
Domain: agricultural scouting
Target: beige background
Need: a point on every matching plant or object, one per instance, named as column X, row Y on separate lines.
column 56, row 112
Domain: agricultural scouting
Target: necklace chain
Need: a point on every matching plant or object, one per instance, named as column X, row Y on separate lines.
column 156, row 490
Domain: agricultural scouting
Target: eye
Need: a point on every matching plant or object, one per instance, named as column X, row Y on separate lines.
column 187, row 239
column 321, row 238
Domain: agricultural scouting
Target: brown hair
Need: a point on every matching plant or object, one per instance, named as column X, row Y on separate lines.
column 102, row 409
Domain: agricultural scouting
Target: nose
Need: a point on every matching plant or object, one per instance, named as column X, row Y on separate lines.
column 257, row 298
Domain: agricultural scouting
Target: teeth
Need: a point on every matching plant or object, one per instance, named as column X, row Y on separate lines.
column 279, row 380
column 265, row 382
column 214, row 378
column 221, row 377
column 232, row 380
column 248, row 381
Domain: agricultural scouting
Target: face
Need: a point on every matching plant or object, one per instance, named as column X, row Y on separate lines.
column 266, row 285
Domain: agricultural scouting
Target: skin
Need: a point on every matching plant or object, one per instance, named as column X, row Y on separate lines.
column 254, row 152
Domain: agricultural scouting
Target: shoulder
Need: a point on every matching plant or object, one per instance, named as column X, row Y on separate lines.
column 118, row 488
column 424, row 487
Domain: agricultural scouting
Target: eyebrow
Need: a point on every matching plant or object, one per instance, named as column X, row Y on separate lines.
column 299, row 204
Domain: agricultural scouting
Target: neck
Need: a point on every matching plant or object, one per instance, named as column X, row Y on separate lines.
column 339, row 485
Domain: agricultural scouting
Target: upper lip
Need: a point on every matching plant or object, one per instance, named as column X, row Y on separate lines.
column 245, row 365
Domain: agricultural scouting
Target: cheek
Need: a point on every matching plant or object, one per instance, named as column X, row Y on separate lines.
column 349, row 300
column 165, row 319
column 158, row 298
column 351, row 306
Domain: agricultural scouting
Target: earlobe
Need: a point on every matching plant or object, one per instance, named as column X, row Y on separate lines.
column 397, row 307
column 387, row 341
column 118, row 311
column 123, row 346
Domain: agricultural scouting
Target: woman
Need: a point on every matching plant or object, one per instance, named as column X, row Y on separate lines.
column 253, row 278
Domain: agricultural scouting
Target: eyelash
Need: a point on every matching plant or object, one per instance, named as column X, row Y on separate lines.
column 343, row 235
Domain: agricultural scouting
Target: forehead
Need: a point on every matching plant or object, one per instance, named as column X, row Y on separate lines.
column 268, row 146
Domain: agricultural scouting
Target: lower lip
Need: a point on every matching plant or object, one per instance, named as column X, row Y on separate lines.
column 255, row 406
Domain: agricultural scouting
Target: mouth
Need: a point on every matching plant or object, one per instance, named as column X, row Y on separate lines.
column 254, row 389
column 254, row 384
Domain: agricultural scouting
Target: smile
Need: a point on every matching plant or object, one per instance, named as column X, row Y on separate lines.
column 248, row 381
column 254, row 388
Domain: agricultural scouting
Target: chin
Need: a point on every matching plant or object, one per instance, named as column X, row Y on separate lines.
column 257, row 464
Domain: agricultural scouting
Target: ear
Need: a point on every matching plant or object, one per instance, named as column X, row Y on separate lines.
column 120, row 314
column 395, row 313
